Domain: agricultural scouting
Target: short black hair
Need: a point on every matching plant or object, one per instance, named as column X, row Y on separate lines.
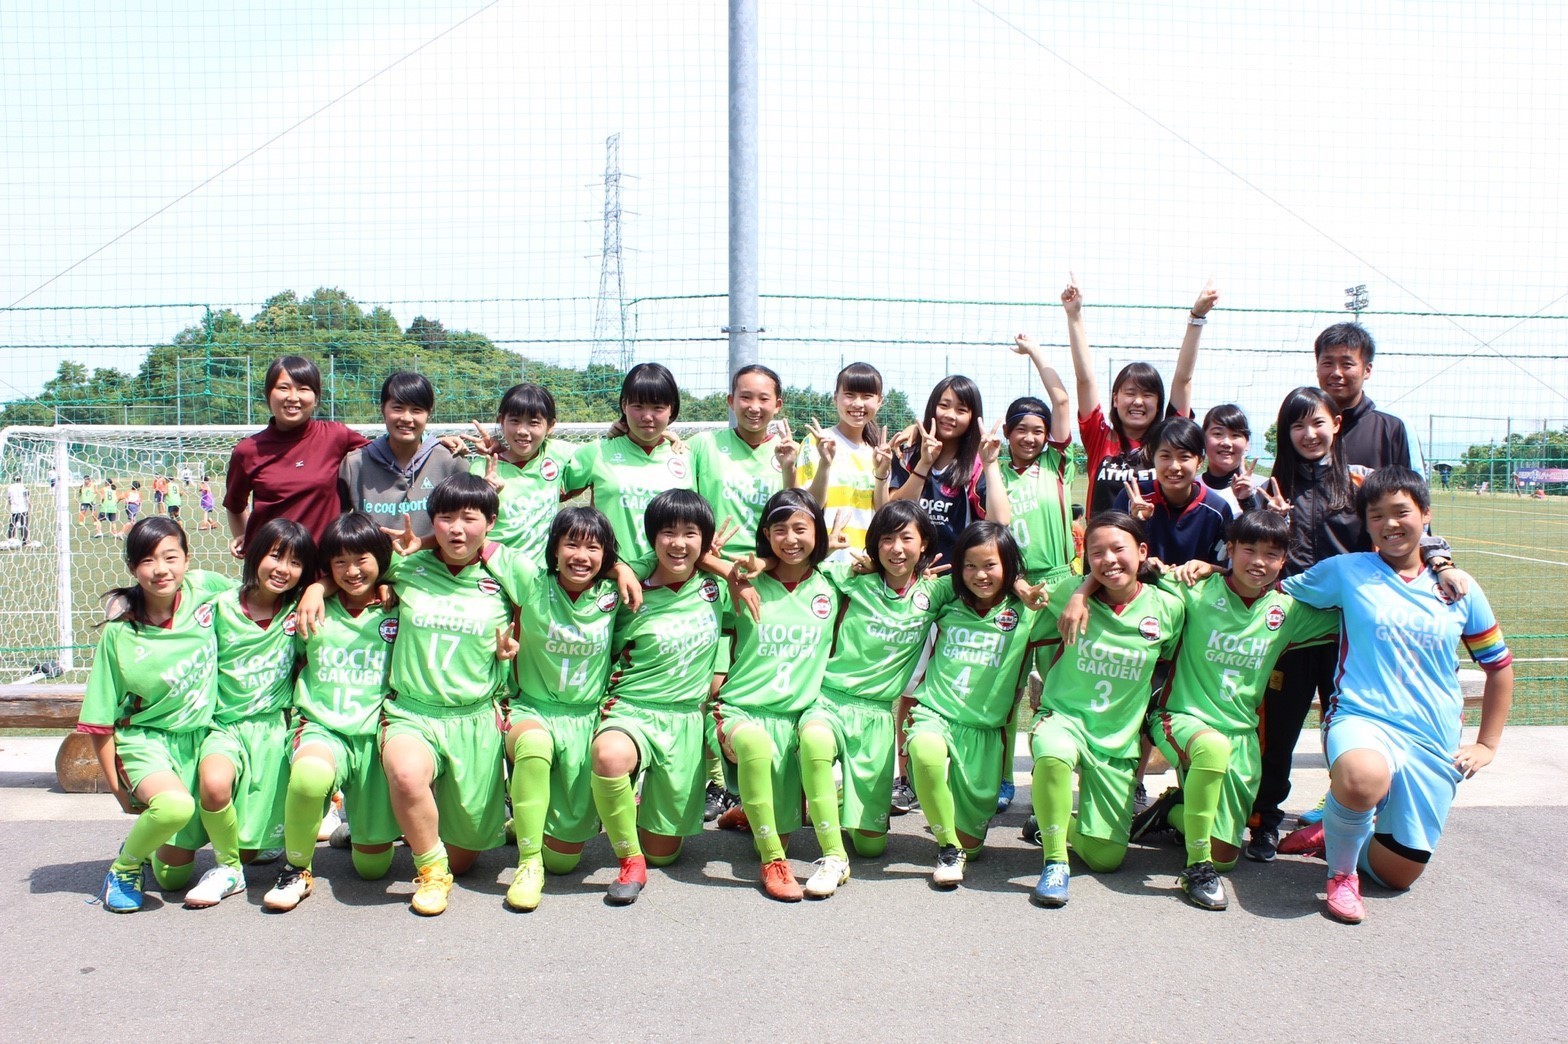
column 1121, row 520
column 300, row 370
column 411, row 389
column 1025, row 406
column 678, row 507
column 1179, row 433
column 889, row 519
column 758, row 368
column 527, row 401
column 129, row 603
column 1228, row 416
column 583, row 523
column 287, row 536
column 779, row 507
column 1260, row 526
column 1385, row 482
column 978, row 534
column 1348, row 335
column 460, row 493
column 356, row 533
column 651, row 384
column 1144, row 378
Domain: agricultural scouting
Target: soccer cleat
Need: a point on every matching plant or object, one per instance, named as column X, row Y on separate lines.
column 625, row 889
column 122, row 890
column 1051, row 889
column 778, row 881
column 1343, row 899
column 832, row 871
column 1005, row 795
column 1140, row 798
column 734, row 818
column 1156, row 816
column 267, row 855
column 329, row 822
column 1263, row 846
column 1314, row 814
column 527, row 888
column 1031, row 833
column 713, row 802
column 949, row 870
column 1308, row 841
column 215, row 886
column 432, row 889
column 295, row 883
column 904, row 800
column 342, row 837
column 1203, row 886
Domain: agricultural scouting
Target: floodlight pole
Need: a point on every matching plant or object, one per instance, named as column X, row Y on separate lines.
column 745, row 305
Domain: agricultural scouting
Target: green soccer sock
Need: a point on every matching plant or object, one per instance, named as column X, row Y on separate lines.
column 310, row 783
column 370, row 866
column 714, row 764
column 664, row 860
column 172, row 878
column 754, row 772
column 1201, row 788
column 436, row 857
column 1051, row 790
column 223, row 828
column 868, row 846
column 1098, row 854
column 616, row 801
column 165, row 815
column 818, row 748
column 928, row 769
column 531, row 790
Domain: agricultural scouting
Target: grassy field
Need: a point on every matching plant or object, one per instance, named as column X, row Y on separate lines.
column 1516, row 547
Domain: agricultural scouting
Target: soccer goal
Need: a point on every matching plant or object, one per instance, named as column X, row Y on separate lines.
column 52, row 582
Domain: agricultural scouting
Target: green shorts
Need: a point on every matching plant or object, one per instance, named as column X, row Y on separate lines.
column 572, row 817
column 258, row 750
column 669, row 762
column 140, row 753
column 782, row 730
column 863, row 731
column 974, row 767
column 465, row 743
column 1105, row 785
column 1173, row 734
column 357, row 763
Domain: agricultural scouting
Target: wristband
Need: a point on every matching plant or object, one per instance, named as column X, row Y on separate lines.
column 916, row 474
column 1194, row 319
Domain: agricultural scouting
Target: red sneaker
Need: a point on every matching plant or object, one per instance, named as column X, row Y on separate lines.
column 1308, row 841
column 778, row 881
column 625, row 889
column 734, row 818
column 1344, row 899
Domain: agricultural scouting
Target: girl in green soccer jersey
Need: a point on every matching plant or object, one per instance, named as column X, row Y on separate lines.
column 843, row 466
column 626, row 472
column 527, row 467
column 337, row 708
column 149, row 700
column 955, row 732
column 566, row 614
column 778, row 667
column 652, row 727
column 244, row 757
column 1091, row 710
column 889, row 606
column 1206, row 721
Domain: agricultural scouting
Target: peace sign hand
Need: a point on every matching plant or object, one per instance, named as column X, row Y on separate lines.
column 882, row 457
column 404, row 542
column 935, row 568
column 482, row 441
column 1138, row 506
column 721, row 536
column 505, row 645
column 930, row 446
column 837, row 538
column 990, row 443
column 827, row 445
column 1276, row 501
column 1243, row 484
column 493, row 472
column 787, row 450
column 1035, row 596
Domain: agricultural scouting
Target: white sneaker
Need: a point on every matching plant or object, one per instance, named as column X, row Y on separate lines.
column 294, row 884
column 949, row 866
column 341, row 837
column 329, row 823
column 831, row 872
column 215, row 886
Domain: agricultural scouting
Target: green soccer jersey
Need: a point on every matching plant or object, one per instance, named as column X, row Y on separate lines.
column 564, row 642
column 447, row 623
column 778, row 663
column 159, row 677
column 978, row 661
column 625, row 478
column 880, row 635
column 736, row 480
column 255, row 663
column 665, row 651
column 1042, row 503
column 1228, row 648
column 173, row 497
column 530, row 495
column 347, row 668
column 1105, row 680
column 108, row 501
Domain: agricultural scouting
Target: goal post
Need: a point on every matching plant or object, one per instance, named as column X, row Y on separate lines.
column 52, row 583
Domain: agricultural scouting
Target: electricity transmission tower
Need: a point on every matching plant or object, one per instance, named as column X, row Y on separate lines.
column 610, row 347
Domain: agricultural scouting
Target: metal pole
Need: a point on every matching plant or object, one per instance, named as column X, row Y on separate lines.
column 745, row 305
column 65, row 631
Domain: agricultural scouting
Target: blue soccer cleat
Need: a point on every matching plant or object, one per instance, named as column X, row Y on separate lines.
column 1051, row 889
column 1004, row 796
column 122, row 890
